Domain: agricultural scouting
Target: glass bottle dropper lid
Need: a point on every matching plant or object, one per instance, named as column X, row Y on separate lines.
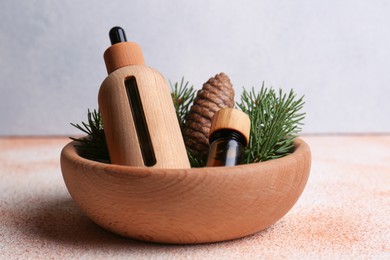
column 121, row 53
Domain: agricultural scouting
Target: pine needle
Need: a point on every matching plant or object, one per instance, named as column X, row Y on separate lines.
column 275, row 122
column 183, row 96
column 93, row 146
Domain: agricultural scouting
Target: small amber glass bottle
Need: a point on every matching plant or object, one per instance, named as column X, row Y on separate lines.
column 229, row 135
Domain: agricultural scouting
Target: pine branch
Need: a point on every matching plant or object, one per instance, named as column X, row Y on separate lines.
column 93, row 146
column 195, row 162
column 275, row 122
column 182, row 97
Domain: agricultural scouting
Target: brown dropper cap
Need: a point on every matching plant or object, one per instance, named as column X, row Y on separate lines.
column 233, row 119
column 121, row 53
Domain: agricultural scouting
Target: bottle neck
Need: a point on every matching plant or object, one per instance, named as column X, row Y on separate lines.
column 228, row 134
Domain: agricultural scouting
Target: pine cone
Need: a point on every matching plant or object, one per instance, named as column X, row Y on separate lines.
column 215, row 94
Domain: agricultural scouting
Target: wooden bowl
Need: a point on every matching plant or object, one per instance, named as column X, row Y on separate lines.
column 197, row 205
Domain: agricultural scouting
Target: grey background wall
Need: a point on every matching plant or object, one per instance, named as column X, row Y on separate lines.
column 336, row 53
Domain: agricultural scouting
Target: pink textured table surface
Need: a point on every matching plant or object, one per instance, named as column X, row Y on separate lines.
column 344, row 211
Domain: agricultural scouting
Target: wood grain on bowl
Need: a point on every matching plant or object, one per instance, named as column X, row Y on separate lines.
column 197, row 205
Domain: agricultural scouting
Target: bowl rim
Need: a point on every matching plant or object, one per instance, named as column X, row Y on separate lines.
column 301, row 149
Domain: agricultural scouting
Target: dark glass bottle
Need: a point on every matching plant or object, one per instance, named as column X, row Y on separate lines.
column 228, row 138
column 226, row 149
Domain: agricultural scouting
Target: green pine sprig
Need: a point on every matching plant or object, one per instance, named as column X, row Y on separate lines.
column 275, row 122
column 183, row 96
column 194, row 161
column 93, row 146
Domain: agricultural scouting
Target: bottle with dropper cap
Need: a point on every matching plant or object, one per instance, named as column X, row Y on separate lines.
column 137, row 111
column 229, row 135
